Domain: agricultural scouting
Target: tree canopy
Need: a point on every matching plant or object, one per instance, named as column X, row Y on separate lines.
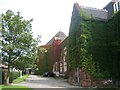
column 18, row 45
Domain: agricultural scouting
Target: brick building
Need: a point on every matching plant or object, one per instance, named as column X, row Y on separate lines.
column 80, row 15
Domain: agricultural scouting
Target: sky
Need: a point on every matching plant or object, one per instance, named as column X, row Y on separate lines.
column 49, row 16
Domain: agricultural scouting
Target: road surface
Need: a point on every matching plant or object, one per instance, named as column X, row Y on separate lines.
column 34, row 81
column 44, row 83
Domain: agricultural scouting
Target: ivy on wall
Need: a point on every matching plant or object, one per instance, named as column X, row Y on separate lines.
column 94, row 45
column 42, row 61
column 79, row 39
column 113, row 43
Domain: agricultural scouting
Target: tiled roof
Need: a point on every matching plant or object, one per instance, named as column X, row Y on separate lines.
column 98, row 14
column 59, row 35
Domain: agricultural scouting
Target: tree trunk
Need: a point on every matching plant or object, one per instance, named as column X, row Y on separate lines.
column 8, row 71
column 7, row 75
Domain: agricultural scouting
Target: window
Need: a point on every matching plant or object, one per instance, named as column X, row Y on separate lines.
column 119, row 5
column 116, row 6
column 61, row 67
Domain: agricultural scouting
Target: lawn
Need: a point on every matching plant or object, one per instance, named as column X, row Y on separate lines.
column 13, row 87
column 18, row 80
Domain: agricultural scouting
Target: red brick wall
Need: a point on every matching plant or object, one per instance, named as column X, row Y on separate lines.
column 54, row 54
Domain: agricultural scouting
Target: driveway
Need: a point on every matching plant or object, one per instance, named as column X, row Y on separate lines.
column 34, row 81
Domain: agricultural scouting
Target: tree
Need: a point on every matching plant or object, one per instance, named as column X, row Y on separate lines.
column 18, row 45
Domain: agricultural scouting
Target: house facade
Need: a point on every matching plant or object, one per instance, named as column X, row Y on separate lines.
column 56, row 55
column 63, row 59
column 53, row 53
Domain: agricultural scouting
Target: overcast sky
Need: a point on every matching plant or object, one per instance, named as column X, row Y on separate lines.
column 49, row 16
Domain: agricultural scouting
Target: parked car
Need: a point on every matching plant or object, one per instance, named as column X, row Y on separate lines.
column 49, row 74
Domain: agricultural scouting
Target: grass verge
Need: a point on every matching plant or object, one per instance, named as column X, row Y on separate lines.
column 18, row 80
column 14, row 87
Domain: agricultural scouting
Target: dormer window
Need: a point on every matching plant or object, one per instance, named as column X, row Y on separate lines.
column 57, row 38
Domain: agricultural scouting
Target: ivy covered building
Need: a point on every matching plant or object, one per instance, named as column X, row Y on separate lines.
column 94, row 44
column 49, row 55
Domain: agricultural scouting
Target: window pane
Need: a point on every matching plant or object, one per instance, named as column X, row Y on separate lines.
column 115, row 7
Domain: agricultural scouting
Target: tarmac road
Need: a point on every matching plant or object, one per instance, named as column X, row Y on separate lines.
column 45, row 83
column 34, row 81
